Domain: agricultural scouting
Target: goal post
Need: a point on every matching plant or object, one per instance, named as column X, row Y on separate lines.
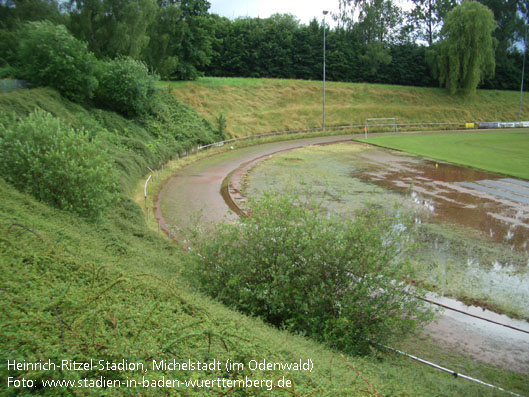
column 384, row 123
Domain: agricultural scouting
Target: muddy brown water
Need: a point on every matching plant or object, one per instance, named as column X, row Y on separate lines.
column 436, row 186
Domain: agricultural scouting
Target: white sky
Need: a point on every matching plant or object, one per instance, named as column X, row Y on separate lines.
column 304, row 10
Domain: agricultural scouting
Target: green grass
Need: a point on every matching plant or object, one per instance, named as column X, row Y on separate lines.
column 504, row 152
column 254, row 106
column 113, row 289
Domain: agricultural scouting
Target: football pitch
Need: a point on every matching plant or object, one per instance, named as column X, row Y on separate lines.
column 505, row 152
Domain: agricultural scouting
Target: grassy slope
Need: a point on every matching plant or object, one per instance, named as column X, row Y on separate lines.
column 113, row 290
column 504, row 152
column 253, row 106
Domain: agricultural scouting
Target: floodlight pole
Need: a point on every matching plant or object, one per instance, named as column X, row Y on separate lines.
column 523, row 76
column 324, row 13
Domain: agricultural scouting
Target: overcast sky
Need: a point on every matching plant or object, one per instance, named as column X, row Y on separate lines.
column 304, row 10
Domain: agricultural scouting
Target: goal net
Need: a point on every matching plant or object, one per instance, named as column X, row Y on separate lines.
column 386, row 124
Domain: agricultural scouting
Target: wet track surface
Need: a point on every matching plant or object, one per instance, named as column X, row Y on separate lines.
column 196, row 188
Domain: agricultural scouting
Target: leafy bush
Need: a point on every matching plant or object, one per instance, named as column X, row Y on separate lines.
column 57, row 164
column 125, row 86
column 48, row 55
column 339, row 281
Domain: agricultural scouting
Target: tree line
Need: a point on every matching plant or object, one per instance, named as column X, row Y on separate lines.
column 370, row 41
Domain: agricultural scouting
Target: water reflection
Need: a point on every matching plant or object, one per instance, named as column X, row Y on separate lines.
column 435, row 189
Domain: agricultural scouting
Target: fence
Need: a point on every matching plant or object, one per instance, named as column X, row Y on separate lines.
column 361, row 128
column 285, row 132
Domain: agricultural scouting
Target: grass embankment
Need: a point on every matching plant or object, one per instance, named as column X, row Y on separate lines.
column 502, row 152
column 112, row 290
column 254, row 106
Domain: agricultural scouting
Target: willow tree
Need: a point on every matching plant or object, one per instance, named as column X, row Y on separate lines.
column 466, row 52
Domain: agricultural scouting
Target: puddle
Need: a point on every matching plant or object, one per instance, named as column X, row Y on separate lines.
column 437, row 187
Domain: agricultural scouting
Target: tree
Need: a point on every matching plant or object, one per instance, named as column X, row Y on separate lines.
column 343, row 56
column 466, row 53
column 277, row 45
column 48, row 55
column 523, row 9
column 113, row 27
column 125, row 86
column 377, row 20
column 376, row 24
column 255, row 47
column 13, row 12
column 184, row 38
column 509, row 17
column 307, row 56
column 222, row 35
column 407, row 67
column 427, row 16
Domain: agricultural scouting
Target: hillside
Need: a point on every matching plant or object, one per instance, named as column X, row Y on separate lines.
column 111, row 289
column 254, row 106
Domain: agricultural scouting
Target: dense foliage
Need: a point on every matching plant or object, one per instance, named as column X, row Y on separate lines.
column 182, row 40
column 56, row 163
column 125, row 86
column 173, row 38
column 466, row 54
column 113, row 27
column 49, row 55
column 336, row 280
column 75, row 159
column 281, row 47
column 371, row 41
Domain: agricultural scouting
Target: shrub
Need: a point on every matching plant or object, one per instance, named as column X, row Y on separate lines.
column 338, row 281
column 48, row 55
column 57, row 164
column 125, row 86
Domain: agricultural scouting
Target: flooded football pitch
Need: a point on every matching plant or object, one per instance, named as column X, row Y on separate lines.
column 473, row 226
